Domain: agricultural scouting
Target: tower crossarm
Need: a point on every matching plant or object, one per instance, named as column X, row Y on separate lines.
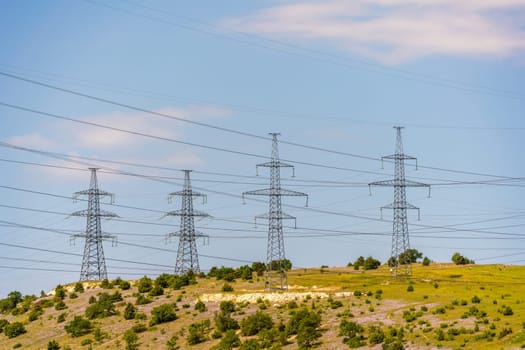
column 186, row 193
column 275, row 192
column 101, row 213
column 398, row 183
column 179, row 234
column 400, row 206
column 184, row 212
column 94, row 192
column 282, row 216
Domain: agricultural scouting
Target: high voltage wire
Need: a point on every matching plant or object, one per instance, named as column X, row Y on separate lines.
column 313, row 54
column 62, row 270
column 68, row 158
column 144, row 110
column 71, row 264
column 447, row 228
column 77, row 255
column 162, row 138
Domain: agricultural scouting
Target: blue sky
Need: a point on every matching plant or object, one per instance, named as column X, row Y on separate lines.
column 330, row 74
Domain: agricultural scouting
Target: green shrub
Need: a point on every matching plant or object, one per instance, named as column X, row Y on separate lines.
column 227, row 306
column 139, row 328
column 410, row 288
column 85, row 342
column 131, row 339
column 142, row 300
column 371, row 263
column 60, row 292
column 426, row 261
column 125, row 285
column 197, row 332
column 375, row 335
column 105, row 284
column 253, row 324
column 229, row 341
column 3, row 323
column 224, row 321
column 130, row 311
column 163, row 313
column 78, row 326
column 172, row 343
column 53, row 345
column 351, row 333
column 459, row 259
column 144, row 285
column 156, row 290
column 506, row 310
column 475, row 300
column 200, row 306
column 14, row 329
column 79, row 287
column 104, row 307
column 227, row 287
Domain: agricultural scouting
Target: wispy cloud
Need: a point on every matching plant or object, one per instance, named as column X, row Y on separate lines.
column 32, row 140
column 395, row 31
column 92, row 141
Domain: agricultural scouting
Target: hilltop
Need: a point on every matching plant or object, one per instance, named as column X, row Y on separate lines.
column 441, row 306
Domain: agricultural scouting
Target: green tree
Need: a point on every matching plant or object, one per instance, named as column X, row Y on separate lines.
column 130, row 311
column 144, row 284
column 375, row 335
column 200, row 306
column 459, row 259
column 227, row 306
column 163, row 313
column 3, row 323
column 352, row 333
column 60, row 292
column 229, row 341
column 125, row 285
column 172, row 343
column 14, row 329
column 253, row 324
column 78, row 326
column 131, row 339
column 410, row 256
column 53, row 345
column 197, row 332
column 371, row 263
column 259, row 267
column 104, row 307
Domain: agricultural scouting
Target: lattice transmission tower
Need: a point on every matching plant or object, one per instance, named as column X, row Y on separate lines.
column 275, row 275
column 93, row 262
column 400, row 238
column 187, row 257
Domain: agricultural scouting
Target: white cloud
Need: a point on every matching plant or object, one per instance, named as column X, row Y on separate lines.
column 32, row 140
column 395, row 31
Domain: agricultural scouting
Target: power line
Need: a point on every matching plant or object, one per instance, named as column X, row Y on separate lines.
column 162, row 138
column 144, row 110
column 328, row 212
column 76, row 255
column 317, row 55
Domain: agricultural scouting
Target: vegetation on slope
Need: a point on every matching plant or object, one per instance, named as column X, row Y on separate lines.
column 442, row 305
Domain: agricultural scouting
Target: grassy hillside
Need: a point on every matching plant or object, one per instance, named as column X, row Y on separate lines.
column 441, row 306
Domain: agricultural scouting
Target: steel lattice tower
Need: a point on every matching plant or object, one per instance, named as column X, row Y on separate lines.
column 93, row 262
column 275, row 277
column 187, row 257
column 400, row 239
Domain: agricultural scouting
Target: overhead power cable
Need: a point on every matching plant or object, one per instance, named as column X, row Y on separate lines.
column 164, row 115
column 80, row 255
column 313, row 54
